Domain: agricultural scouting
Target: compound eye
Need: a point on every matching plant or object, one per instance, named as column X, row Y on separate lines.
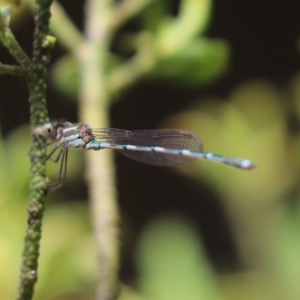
column 49, row 128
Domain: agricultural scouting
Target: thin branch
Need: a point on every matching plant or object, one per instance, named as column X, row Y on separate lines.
column 94, row 101
column 11, row 70
column 10, row 42
column 63, row 27
column 140, row 64
column 129, row 72
column 125, row 10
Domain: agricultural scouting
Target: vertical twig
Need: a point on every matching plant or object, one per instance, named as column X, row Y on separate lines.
column 36, row 76
column 100, row 172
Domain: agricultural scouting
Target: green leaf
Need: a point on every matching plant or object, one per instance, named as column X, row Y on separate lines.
column 65, row 75
column 176, row 34
column 172, row 262
column 200, row 63
column 155, row 13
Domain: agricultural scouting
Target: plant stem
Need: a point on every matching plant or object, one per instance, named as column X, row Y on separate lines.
column 62, row 26
column 37, row 86
column 13, row 46
column 11, row 70
column 100, row 172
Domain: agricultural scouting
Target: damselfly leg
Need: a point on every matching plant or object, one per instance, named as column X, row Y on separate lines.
column 62, row 158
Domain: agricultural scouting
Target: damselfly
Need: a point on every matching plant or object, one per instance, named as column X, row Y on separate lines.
column 163, row 147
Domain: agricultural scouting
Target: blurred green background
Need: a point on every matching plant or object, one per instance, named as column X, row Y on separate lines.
column 226, row 70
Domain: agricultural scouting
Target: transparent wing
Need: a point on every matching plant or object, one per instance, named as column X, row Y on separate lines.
column 166, row 138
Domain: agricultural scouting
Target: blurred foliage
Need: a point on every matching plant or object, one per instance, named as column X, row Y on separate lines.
column 173, row 264
column 262, row 206
column 169, row 48
column 10, row 2
column 19, row 12
column 171, row 260
column 202, row 62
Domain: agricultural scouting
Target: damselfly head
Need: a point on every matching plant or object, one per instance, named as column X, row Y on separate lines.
column 46, row 130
